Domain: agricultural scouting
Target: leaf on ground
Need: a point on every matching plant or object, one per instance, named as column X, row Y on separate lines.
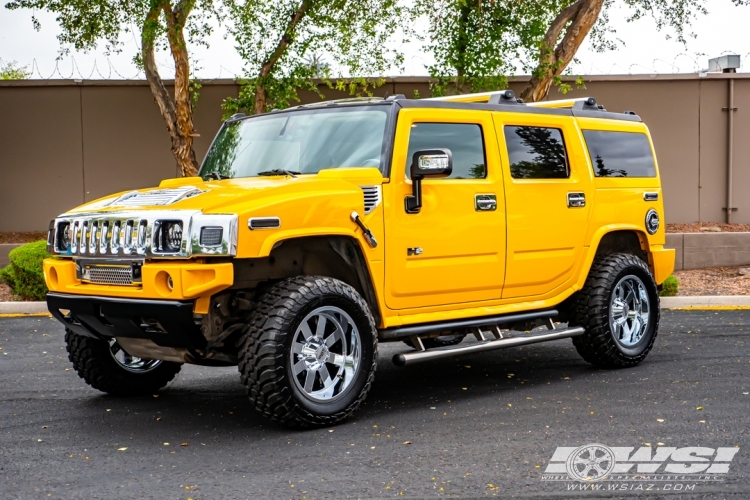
column 184, row 444
column 407, row 442
column 699, row 408
column 122, row 449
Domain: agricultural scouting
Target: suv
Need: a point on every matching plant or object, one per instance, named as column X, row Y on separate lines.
column 316, row 232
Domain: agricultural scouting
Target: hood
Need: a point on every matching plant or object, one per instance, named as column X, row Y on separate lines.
column 233, row 195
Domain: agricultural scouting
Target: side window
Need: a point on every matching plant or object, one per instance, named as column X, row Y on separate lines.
column 536, row 153
column 620, row 154
column 464, row 140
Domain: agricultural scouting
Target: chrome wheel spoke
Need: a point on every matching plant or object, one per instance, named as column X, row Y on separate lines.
column 309, row 381
column 297, row 347
column 299, row 366
column 321, row 329
column 306, row 330
column 325, row 377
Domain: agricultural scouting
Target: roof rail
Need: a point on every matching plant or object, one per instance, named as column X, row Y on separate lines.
column 584, row 103
column 495, row 97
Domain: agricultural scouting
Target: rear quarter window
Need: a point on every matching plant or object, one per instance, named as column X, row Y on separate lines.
column 620, row 154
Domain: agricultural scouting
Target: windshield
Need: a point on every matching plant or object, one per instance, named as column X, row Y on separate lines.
column 305, row 141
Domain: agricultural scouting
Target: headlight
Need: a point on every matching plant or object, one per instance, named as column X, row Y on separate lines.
column 211, row 236
column 168, row 237
column 62, row 237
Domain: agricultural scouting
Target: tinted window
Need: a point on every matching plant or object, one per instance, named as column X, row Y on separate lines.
column 464, row 141
column 536, row 153
column 620, row 154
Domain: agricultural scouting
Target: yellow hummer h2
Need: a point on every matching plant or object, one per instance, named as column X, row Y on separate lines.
column 316, row 232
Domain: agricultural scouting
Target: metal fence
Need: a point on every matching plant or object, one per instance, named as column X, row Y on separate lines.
column 63, row 142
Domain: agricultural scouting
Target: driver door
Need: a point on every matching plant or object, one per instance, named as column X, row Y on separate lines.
column 453, row 250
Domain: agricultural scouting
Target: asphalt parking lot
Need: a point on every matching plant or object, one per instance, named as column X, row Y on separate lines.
column 484, row 425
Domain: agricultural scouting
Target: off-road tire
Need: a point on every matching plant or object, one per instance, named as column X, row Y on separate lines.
column 590, row 308
column 93, row 362
column 442, row 341
column 265, row 351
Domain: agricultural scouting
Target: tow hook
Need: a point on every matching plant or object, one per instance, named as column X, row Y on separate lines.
column 366, row 232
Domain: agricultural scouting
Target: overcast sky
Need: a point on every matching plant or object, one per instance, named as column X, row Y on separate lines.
column 724, row 30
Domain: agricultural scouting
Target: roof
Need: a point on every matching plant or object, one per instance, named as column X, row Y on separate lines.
column 501, row 100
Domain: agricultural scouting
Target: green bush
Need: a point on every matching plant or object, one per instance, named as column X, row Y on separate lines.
column 25, row 275
column 669, row 287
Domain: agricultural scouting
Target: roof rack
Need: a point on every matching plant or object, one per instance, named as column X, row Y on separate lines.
column 495, row 97
column 585, row 103
column 347, row 100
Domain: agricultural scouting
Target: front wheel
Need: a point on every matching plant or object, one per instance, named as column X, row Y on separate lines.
column 309, row 353
column 619, row 308
column 106, row 366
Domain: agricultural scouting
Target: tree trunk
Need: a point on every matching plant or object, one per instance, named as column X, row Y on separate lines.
column 552, row 61
column 177, row 112
column 261, row 95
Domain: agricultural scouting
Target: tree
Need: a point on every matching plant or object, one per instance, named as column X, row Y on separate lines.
column 477, row 43
column 281, row 43
column 161, row 24
column 12, row 71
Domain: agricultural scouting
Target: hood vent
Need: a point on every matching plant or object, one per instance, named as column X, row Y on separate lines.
column 373, row 197
column 157, row 197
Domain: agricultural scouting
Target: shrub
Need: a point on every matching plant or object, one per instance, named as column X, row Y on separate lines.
column 669, row 287
column 25, row 275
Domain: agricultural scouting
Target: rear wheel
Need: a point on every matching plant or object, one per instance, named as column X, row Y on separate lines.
column 619, row 308
column 309, row 352
column 105, row 366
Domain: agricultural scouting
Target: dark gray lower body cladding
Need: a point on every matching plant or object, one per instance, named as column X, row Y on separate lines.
column 447, row 352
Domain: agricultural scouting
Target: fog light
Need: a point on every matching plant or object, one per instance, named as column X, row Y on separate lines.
column 170, row 283
column 211, row 236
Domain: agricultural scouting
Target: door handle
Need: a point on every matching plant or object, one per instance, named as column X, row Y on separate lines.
column 485, row 202
column 576, row 200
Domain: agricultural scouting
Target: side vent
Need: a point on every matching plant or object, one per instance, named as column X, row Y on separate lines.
column 373, row 197
column 264, row 223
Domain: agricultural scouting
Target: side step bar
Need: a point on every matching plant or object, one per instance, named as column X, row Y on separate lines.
column 420, row 329
column 501, row 343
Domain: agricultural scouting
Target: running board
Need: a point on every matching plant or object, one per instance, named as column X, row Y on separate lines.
column 501, row 343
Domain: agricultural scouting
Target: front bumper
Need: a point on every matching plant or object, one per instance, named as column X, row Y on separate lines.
column 194, row 281
column 168, row 323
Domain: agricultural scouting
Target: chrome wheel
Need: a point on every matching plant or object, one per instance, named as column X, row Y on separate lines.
column 325, row 354
column 629, row 311
column 131, row 363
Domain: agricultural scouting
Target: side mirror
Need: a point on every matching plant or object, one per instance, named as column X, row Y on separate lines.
column 427, row 163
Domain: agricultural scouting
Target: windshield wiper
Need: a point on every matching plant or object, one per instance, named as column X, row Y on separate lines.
column 280, row 171
column 217, row 176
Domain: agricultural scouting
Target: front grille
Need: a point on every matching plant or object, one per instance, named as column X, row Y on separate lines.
column 110, row 275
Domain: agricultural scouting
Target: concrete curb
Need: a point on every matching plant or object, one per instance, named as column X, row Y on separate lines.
column 708, row 302
column 23, row 308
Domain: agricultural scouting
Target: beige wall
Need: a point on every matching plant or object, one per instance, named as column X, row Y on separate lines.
column 65, row 142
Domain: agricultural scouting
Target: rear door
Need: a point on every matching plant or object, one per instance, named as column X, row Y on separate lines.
column 548, row 191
